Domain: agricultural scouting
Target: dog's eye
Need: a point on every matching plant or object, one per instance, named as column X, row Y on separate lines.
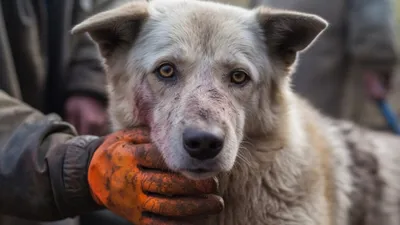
column 166, row 71
column 239, row 77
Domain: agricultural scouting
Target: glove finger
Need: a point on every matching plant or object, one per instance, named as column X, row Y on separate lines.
column 175, row 184
column 148, row 156
column 184, row 206
column 156, row 221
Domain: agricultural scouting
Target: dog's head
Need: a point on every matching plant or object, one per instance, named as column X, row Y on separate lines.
column 200, row 74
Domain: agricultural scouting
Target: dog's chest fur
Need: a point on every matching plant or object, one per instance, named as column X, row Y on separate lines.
column 373, row 171
column 352, row 179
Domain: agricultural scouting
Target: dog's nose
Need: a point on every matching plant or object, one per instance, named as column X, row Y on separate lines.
column 201, row 144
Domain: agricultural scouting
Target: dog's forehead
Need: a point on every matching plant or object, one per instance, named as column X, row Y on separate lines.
column 192, row 28
column 201, row 24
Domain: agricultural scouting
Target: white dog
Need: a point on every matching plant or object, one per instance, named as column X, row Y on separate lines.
column 213, row 83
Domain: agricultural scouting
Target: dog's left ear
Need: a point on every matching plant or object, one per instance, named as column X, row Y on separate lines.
column 288, row 32
column 115, row 28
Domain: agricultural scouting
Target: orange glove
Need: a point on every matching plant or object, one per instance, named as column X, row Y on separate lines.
column 128, row 176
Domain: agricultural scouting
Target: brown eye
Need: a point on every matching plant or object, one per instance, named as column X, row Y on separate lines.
column 166, row 71
column 239, row 77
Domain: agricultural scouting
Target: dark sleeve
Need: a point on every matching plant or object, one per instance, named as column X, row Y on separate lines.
column 43, row 164
column 86, row 75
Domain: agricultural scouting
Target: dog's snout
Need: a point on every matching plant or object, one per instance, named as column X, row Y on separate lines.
column 202, row 144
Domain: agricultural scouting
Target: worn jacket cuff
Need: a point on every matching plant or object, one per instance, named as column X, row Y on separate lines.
column 76, row 197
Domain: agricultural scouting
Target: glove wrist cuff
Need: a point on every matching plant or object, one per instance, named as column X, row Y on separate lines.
column 76, row 197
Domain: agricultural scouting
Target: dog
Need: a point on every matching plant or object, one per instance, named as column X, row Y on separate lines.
column 213, row 82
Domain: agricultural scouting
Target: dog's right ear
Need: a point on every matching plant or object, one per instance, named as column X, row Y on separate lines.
column 289, row 32
column 115, row 28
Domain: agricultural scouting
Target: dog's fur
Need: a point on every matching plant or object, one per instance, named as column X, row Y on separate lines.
column 282, row 162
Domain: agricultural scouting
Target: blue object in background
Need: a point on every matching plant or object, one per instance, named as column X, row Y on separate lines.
column 389, row 115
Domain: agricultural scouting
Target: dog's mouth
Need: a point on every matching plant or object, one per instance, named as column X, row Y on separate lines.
column 200, row 170
column 198, row 174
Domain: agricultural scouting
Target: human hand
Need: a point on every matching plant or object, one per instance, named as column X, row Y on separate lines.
column 127, row 175
column 377, row 85
column 87, row 114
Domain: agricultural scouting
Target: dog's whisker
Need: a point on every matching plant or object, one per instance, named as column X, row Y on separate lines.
column 242, row 158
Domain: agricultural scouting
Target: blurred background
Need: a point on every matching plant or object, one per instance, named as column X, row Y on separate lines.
column 397, row 5
column 394, row 96
column 351, row 72
column 397, row 92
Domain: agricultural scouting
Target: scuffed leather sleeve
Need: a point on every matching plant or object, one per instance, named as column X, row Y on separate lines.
column 43, row 164
column 371, row 34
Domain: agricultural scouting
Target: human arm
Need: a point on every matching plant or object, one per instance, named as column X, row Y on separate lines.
column 43, row 164
column 56, row 174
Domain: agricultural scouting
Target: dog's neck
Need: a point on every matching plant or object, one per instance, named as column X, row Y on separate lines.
column 272, row 175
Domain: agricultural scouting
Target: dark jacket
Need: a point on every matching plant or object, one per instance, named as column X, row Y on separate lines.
column 43, row 165
column 41, row 63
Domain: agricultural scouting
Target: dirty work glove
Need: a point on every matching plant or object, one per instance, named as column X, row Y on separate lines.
column 128, row 176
